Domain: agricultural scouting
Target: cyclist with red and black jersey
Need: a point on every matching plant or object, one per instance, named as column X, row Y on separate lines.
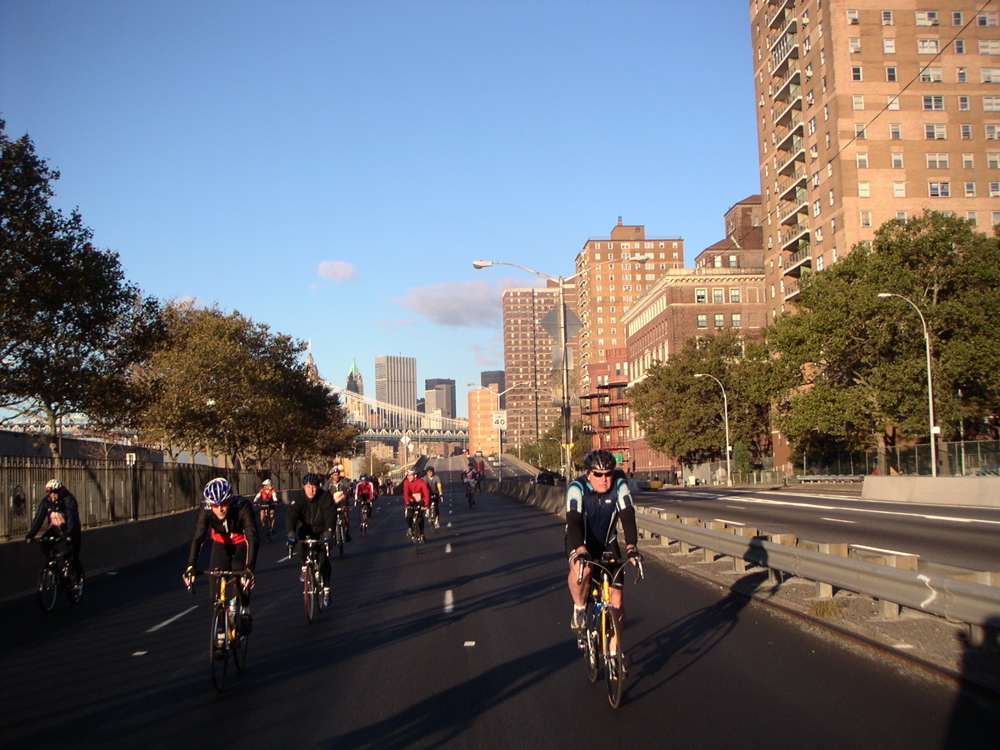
column 364, row 494
column 416, row 498
column 228, row 520
column 265, row 501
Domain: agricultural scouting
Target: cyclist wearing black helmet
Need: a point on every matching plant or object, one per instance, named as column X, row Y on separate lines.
column 595, row 502
column 312, row 515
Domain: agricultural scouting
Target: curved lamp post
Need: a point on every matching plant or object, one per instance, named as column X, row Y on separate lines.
column 567, row 435
column 725, row 415
column 930, row 379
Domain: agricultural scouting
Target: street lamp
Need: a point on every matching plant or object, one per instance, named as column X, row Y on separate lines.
column 567, row 435
column 930, row 380
column 725, row 414
column 499, row 442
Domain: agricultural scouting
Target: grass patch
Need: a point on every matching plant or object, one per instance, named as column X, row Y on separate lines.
column 825, row 608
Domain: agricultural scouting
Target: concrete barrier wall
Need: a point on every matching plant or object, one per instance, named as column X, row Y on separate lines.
column 979, row 491
column 102, row 549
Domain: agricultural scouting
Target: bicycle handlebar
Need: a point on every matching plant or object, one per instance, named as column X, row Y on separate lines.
column 230, row 573
column 605, row 565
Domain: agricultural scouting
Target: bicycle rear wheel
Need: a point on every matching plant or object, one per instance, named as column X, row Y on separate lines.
column 340, row 540
column 219, row 647
column 614, row 660
column 268, row 526
column 75, row 583
column 240, row 643
column 48, row 587
column 309, row 593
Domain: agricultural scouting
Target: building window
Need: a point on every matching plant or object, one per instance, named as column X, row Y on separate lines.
column 701, row 296
column 720, row 320
column 852, row 18
column 931, row 75
column 986, row 18
column 992, row 160
column 718, row 296
column 899, row 190
column 703, row 321
column 926, row 18
column 990, row 75
column 895, row 131
column 817, row 207
column 959, row 46
column 992, row 132
column 854, row 44
column 963, row 104
column 857, row 102
column 889, row 46
column 933, row 103
column 856, row 73
column 956, row 18
column 996, row 218
column 866, row 219
column 862, row 159
column 989, row 46
column 733, row 263
column 737, row 320
column 864, row 189
column 991, row 104
column 973, row 218
column 859, row 131
column 970, row 190
column 887, row 18
column 935, row 131
column 890, row 74
column 897, row 160
column 965, row 132
column 961, row 75
column 995, row 190
column 893, row 103
column 928, row 46
column 968, row 161
column 734, row 296
column 939, row 189
column 901, row 217
column 937, row 161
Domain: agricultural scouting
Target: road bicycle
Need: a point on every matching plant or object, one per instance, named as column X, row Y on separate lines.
column 364, row 515
column 229, row 636
column 434, row 514
column 312, row 579
column 58, row 573
column 601, row 641
column 267, row 523
column 340, row 533
column 470, row 493
column 415, row 532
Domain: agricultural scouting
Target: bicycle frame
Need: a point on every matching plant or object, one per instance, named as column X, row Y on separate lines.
column 226, row 640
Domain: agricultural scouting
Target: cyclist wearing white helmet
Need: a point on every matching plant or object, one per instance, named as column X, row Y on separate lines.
column 228, row 520
column 60, row 509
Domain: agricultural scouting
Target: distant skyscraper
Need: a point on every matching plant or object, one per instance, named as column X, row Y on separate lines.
column 440, row 394
column 396, row 381
column 354, row 382
column 494, row 377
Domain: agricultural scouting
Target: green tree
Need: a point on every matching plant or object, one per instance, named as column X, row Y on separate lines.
column 71, row 326
column 857, row 363
column 683, row 416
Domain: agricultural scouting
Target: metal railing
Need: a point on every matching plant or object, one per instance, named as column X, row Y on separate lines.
column 110, row 492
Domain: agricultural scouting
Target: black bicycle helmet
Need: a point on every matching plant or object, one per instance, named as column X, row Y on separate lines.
column 601, row 460
column 314, row 479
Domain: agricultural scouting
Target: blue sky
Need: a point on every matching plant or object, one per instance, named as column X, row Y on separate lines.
column 333, row 168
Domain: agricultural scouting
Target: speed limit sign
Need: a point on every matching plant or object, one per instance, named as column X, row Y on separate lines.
column 500, row 420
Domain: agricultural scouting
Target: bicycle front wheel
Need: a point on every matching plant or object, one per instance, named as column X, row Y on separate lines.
column 48, row 587
column 75, row 583
column 219, row 647
column 240, row 643
column 309, row 597
column 614, row 659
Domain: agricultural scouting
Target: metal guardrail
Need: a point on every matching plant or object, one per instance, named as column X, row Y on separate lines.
column 965, row 601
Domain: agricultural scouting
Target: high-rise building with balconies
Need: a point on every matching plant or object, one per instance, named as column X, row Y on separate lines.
column 866, row 112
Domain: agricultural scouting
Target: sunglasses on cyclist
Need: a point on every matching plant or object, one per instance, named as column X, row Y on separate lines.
column 601, row 473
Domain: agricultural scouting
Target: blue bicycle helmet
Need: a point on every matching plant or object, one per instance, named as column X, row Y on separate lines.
column 217, row 491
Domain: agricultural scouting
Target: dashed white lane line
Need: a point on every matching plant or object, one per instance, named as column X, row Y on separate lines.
column 172, row 619
column 447, row 549
column 449, row 602
column 879, row 549
column 838, row 520
column 728, row 523
column 926, row 516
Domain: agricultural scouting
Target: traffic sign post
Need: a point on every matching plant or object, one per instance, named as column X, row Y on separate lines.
column 500, row 419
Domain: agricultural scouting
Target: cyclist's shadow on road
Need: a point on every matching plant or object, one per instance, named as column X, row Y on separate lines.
column 679, row 645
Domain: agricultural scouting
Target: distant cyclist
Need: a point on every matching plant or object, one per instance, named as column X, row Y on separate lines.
column 435, row 487
column 60, row 510
column 595, row 502
column 312, row 516
column 342, row 492
column 416, row 498
column 228, row 520
column 265, row 502
column 364, row 494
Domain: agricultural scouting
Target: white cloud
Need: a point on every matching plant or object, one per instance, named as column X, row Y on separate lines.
column 457, row 304
column 336, row 270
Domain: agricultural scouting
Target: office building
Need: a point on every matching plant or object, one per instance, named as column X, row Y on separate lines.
column 396, row 382
column 439, row 395
column 355, row 383
column 494, row 377
column 867, row 112
column 482, row 435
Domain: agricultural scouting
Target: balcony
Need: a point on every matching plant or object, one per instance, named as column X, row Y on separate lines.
column 787, row 26
column 783, row 50
column 788, row 214
column 794, row 105
column 792, row 235
column 789, row 165
column 797, row 178
column 799, row 262
column 778, row 85
column 773, row 17
column 791, row 291
column 793, row 128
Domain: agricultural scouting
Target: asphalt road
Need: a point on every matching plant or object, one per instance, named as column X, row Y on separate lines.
column 464, row 645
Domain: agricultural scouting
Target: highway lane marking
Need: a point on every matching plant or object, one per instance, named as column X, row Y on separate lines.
column 879, row 549
column 730, row 523
column 163, row 624
column 449, row 602
column 838, row 520
column 812, row 506
column 140, row 653
column 447, row 549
